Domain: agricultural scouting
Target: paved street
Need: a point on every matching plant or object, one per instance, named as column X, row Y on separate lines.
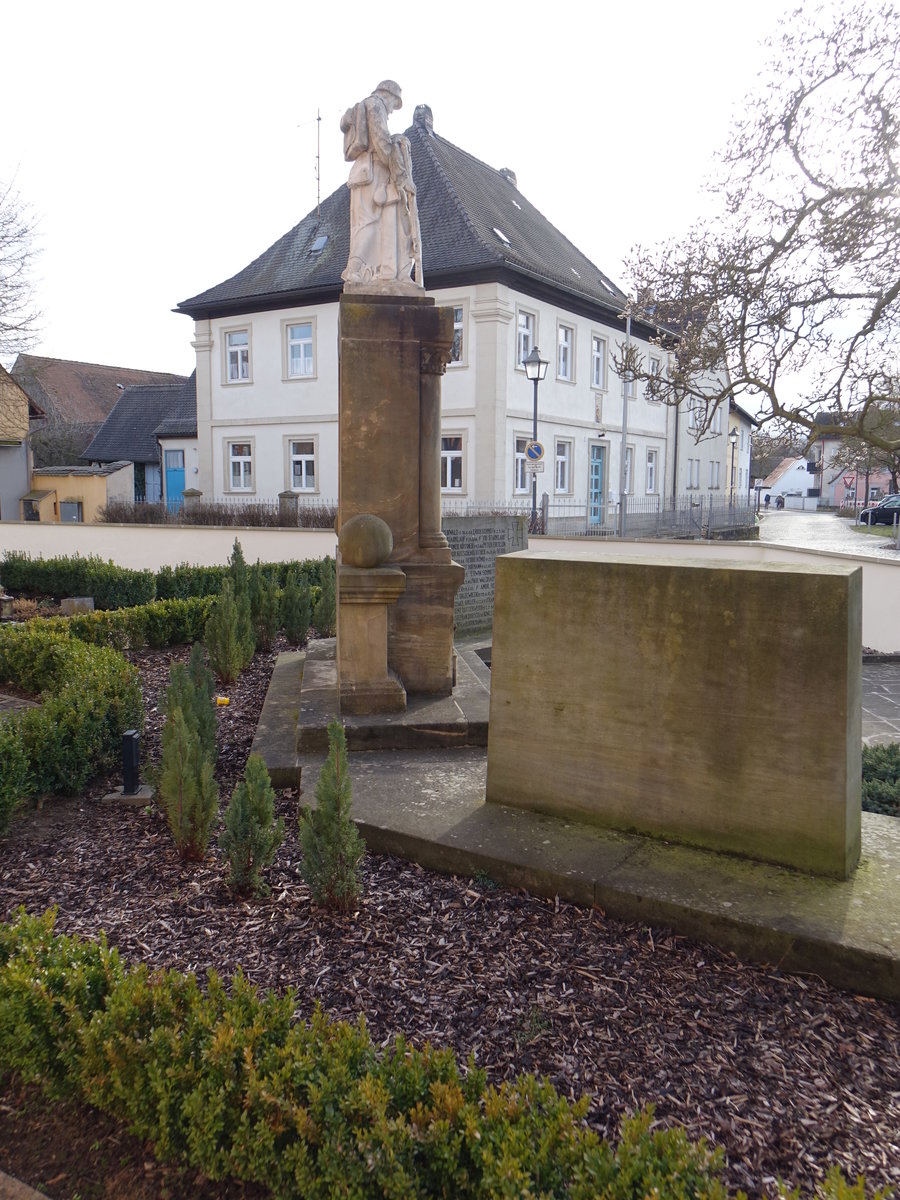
column 822, row 531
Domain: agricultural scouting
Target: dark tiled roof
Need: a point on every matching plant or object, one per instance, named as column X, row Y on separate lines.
column 181, row 420
column 129, row 432
column 463, row 207
column 102, row 471
column 83, row 393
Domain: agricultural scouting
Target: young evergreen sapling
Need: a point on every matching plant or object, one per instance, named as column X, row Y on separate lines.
column 332, row 847
column 251, row 834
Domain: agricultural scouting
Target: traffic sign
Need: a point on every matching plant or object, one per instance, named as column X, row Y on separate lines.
column 534, row 466
column 534, row 451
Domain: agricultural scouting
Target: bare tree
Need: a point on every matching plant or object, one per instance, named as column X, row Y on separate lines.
column 795, row 286
column 18, row 315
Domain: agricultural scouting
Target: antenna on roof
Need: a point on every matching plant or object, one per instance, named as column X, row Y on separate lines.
column 318, row 165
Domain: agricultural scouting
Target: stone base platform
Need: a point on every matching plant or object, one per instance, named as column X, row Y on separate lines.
column 302, row 700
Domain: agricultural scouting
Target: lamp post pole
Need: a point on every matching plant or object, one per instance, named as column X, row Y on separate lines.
column 732, row 437
column 535, row 370
column 623, row 452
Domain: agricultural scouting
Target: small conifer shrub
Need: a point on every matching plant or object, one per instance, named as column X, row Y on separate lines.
column 332, row 847
column 229, row 641
column 296, row 609
column 187, row 789
column 265, row 619
column 192, row 688
column 251, row 834
column 324, row 615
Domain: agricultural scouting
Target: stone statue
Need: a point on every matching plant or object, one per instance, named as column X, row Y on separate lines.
column 385, row 242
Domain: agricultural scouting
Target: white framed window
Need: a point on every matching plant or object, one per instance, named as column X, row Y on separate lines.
column 299, row 349
column 239, row 465
column 521, row 482
column 652, row 471
column 563, row 481
column 452, row 462
column 717, row 419
column 237, row 356
column 565, row 353
column 629, row 470
column 302, row 471
column 458, row 353
column 714, row 475
column 598, row 361
column 629, row 389
column 694, row 412
column 695, row 472
column 526, row 328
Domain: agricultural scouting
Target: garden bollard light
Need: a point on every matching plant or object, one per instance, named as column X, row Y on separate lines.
column 131, row 757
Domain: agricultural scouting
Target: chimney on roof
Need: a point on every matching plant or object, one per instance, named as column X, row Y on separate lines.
column 510, row 175
column 424, row 117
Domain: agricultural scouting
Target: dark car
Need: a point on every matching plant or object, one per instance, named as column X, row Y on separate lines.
column 885, row 512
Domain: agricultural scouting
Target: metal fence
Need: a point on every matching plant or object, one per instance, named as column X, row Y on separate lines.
column 645, row 517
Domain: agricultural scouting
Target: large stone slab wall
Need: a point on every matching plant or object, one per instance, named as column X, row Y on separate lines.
column 705, row 702
column 475, row 543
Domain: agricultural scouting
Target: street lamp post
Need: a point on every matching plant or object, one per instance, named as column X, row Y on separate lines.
column 733, row 438
column 535, row 370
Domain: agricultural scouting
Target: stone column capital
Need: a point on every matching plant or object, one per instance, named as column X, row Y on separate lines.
column 433, row 358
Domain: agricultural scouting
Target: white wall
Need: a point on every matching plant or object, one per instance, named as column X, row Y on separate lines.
column 155, row 546
column 881, row 578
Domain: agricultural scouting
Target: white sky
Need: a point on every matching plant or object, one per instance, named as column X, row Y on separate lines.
column 163, row 147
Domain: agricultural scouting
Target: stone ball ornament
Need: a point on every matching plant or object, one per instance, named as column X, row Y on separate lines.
column 365, row 541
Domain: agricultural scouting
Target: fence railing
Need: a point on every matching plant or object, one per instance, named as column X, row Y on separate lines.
column 645, row 517
column 285, row 513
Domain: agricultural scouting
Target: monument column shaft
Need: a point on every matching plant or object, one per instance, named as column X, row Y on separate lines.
column 434, row 361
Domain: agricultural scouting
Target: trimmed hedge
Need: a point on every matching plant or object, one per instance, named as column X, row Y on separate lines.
column 111, row 586
column 89, row 696
column 228, row 1081
column 118, row 587
column 158, row 624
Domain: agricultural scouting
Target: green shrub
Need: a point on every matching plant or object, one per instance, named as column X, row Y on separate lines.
column 324, row 615
column 229, row 1082
column 184, row 580
column 251, row 835
column 881, row 779
column 192, row 689
column 89, row 696
column 15, row 772
column 332, row 847
column 266, row 618
column 296, row 609
column 158, row 624
column 111, row 586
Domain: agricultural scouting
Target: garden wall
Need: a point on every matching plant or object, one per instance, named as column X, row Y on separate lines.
column 155, row 546
column 475, row 543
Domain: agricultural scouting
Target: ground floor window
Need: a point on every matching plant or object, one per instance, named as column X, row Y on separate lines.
column 520, row 475
column 240, row 466
column 652, row 471
column 303, row 464
column 71, row 510
column 452, row 463
column 564, row 467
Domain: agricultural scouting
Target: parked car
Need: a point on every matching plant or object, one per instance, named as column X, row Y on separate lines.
column 885, row 512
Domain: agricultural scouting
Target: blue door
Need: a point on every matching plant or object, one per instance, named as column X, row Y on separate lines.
column 596, row 477
column 174, row 479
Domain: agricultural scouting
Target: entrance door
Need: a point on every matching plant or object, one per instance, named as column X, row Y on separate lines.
column 596, row 481
column 174, row 479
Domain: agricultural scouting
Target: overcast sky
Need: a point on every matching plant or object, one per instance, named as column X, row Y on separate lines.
column 163, row 147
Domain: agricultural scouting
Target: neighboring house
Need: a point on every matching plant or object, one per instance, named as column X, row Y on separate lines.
column 74, row 399
column 843, row 486
column 155, row 428
column 267, row 339
column 741, row 423
column 699, row 466
column 15, row 452
column 73, row 493
column 790, row 481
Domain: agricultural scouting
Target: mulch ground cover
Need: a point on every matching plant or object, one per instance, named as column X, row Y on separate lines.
column 787, row 1074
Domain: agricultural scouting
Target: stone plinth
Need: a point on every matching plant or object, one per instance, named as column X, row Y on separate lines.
column 708, row 703
column 393, row 351
column 364, row 681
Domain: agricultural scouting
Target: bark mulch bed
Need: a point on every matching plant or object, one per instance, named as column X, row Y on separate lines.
column 787, row 1074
